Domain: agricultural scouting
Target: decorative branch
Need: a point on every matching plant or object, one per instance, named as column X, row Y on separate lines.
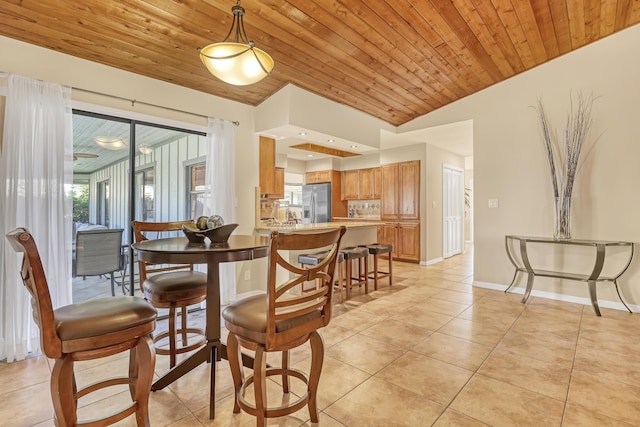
column 564, row 164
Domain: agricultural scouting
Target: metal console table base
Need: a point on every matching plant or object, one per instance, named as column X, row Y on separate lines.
column 591, row 279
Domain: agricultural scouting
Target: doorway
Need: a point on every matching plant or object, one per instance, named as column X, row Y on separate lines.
column 452, row 210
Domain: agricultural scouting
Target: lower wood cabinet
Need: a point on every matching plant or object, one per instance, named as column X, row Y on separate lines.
column 405, row 238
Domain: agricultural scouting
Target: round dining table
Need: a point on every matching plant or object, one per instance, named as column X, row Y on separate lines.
column 179, row 250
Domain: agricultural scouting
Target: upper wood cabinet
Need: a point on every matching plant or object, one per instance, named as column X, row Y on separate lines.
column 338, row 205
column 350, row 185
column 319, row 177
column 409, row 194
column 390, row 184
column 369, row 183
column 400, row 197
column 279, row 183
column 268, row 168
column 361, row 184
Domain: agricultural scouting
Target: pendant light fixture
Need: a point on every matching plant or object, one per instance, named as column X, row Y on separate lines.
column 238, row 61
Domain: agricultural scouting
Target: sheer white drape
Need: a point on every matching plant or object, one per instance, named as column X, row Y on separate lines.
column 36, row 172
column 220, row 193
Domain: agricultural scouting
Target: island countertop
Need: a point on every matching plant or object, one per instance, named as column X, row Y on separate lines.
column 319, row 226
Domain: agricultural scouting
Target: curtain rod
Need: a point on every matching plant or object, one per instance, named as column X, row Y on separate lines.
column 134, row 101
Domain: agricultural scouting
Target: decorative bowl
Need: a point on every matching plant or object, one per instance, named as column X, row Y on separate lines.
column 194, row 235
column 220, row 234
column 216, row 235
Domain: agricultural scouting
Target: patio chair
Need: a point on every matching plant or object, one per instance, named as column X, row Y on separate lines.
column 97, row 253
column 87, row 331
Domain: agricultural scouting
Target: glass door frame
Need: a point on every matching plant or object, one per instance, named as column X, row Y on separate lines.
column 131, row 164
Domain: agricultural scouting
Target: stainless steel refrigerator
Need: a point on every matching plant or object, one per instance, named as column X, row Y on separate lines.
column 316, row 203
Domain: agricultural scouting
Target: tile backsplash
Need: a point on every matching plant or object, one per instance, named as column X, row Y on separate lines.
column 364, row 209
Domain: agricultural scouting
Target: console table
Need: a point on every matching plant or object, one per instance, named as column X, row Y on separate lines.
column 590, row 278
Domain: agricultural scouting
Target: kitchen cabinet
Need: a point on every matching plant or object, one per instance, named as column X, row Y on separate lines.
column 389, row 197
column 405, row 238
column 338, row 206
column 350, row 185
column 409, row 190
column 268, row 186
column 369, row 183
column 319, row 177
column 399, row 207
column 361, row 184
column 408, row 241
column 390, row 236
column 400, row 196
column 279, row 183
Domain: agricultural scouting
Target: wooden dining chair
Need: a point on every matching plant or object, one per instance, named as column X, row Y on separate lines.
column 171, row 286
column 283, row 319
column 85, row 331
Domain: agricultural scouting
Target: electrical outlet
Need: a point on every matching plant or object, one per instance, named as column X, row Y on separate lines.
column 493, row 203
column 247, row 275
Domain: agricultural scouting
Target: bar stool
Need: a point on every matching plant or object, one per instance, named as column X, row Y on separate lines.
column 377, row 249
column 315, row 259
column 359, row 254
column 87, row 331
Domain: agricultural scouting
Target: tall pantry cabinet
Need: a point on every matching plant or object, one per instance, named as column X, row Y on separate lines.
column 400, row 209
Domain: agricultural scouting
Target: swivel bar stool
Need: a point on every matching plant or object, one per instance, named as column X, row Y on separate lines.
column 315, row 259
column 360, row 255
column 377, row 249
column 86, row 331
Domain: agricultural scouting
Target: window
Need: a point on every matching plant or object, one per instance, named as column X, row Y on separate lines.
column 145, row 195
column 196, row 174
column 81, row 202
column 103, row 203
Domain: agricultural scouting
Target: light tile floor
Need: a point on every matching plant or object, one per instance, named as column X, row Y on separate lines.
column 430, row 350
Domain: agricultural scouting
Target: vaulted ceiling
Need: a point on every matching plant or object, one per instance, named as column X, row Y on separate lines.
column 393, row 59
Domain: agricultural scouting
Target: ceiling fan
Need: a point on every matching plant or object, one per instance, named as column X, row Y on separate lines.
column 77, row 156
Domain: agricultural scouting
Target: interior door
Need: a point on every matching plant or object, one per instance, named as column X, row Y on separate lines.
column 452, row 210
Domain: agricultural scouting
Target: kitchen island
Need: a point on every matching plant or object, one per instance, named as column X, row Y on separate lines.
column 358, row 232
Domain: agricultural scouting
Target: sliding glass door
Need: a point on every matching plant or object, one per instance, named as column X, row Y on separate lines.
column 126, row 169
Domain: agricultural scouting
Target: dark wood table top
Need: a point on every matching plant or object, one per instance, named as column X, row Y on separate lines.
column 179, row 250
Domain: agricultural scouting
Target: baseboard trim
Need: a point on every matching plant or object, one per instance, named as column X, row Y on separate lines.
column 560, row 297
column 432, row 261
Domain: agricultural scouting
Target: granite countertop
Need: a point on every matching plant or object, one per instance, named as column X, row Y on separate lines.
column 344, row 218
column 320, row 226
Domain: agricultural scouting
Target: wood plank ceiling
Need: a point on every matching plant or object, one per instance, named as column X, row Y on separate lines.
column 393, row 59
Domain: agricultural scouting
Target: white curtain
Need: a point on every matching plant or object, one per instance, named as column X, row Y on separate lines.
column 36, row 169
column 220, row 193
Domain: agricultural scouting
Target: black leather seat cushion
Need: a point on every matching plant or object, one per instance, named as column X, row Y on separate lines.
column 312, row 259
column 380, row 248
column 354, row 252
column 103, row 316
column 250, row 314
column 175, row 285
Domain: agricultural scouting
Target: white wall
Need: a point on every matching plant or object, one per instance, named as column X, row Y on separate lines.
column 510, row 165
column 432, row 204
column 297, row 107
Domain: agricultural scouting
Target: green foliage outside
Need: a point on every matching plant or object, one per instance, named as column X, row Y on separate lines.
column 81, row 204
